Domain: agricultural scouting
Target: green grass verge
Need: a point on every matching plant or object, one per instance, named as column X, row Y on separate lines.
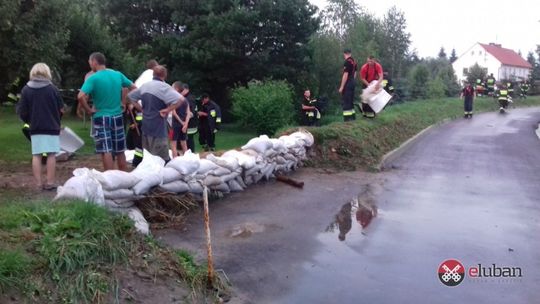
column 71, row 252
column 16, row 148
column 362, row 143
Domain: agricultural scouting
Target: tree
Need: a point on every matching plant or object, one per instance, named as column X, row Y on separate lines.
column 453, row 56
column 418, row 80
column 395, row 42
column 436, row 88
column 442, row 53
column 476, row 72
column 339, row 16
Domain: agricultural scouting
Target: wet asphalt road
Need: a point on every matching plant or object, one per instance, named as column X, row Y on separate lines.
column 468, row 190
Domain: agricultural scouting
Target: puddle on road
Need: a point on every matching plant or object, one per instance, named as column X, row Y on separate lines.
column 358, row 212
column 248, row 229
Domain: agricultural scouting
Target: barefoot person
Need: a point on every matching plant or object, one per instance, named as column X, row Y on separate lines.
column 41, row 107
column 105, row 88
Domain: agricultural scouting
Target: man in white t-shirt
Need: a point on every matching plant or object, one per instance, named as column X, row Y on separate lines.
column 147, row 75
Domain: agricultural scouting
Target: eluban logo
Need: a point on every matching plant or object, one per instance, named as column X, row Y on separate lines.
column 451, row 272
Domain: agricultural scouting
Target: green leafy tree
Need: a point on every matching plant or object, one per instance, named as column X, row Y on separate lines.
column 436, row 88
column 263, row 106
column 418, row 80
column 476, row 72
column 395, row 41
column 339, row 16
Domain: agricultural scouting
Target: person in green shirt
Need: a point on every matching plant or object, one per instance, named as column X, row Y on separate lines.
column 105, row 89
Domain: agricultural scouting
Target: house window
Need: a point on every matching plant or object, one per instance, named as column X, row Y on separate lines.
column 472, row 53
column 465, row 71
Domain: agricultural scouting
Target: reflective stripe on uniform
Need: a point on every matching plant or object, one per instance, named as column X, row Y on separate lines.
column 213, row 113
column 310, row 114
column 218, row 120
column 192, row 130
column 138, row 117
column 348, row 113
column 26, row 126
column 138, row 152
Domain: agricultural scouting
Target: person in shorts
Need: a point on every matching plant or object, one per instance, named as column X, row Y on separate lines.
column 158, row 100
column 180, row 121
column 105, row 89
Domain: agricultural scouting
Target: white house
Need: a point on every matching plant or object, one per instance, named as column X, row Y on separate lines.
column 503, row 63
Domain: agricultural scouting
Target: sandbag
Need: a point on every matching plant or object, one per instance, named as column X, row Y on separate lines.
column 259, row 144
column 115, row 179
column 234, row 186
column 206, row 166
column 195, row 187
column 170, row 175
column 220, row 171
column 278, row 145
column 240, row 181
column 140, row 222
column 244, row 160
column 83, row 185
column 150, row 173
column 223, row 187
column 118, row 194
column 230, row 163
column 119, row 203
column 186, row 164
column 212, row 180
column 305, row 136
column 176, row 187
column 228, row 177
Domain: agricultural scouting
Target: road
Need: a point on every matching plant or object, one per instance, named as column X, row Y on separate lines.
column 468, row 190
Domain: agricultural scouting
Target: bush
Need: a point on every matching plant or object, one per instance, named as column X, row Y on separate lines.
column 263, row 106
column 436, row 88
column 418, row 78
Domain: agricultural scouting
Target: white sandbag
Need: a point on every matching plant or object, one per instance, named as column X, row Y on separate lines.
column 149, row 171
column 206, row 166
column 118, row 194
column 234, row 186
column 244, row 160
column 228, row 177
column 212, row 180
column 170, row 175
column 176, row 187
column 256, row 169
column 257, row 177
column 230, row 163
column 249, row 180
column 186, row 164
column 291, row 142
column 223, row 187
column 280, row 160
column 119, row 203
column 268, row 170
column 278, row 145
column 195, row 187
column 83, row 185
column 220, row 171
column 138, row 219
column 270, row 153
column 259, row 144
column 305, row 136
column 240, row 182
column 115, row 179
column 199, row 177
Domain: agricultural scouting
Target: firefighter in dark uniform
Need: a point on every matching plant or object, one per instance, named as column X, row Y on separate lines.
column 193, row 123
column 490, row 83
column 209, row 123
column 503, row 96
column 312, row 115
column 347, row 86
column 134, row 136
column 524, row 89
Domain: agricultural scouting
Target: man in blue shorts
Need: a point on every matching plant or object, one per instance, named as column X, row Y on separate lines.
column 105, row 89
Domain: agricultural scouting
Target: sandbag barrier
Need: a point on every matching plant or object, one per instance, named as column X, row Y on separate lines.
column 260, row 159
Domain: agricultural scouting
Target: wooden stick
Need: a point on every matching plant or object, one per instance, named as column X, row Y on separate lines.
column 208, row 238
column 290, row 181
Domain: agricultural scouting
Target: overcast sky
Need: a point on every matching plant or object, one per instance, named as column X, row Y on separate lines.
column 460, row 23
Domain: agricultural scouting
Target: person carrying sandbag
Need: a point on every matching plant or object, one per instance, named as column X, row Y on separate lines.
column 369, row 72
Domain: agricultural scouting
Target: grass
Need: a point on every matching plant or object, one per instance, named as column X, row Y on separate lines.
column 70, row 252
column 362, row 143
column 17, row 148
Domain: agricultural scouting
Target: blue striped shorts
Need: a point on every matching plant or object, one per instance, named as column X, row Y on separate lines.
column 108, row 133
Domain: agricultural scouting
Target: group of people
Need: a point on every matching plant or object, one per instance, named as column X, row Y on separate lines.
column 503, row 92
column 159, row 113
column 370, row 72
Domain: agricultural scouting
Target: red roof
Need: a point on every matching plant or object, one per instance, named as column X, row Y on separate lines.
column 506, row 56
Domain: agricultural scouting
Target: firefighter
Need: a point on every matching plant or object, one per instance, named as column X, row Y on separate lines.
column 480, row 87
column 347, row 86
column 468, row 98
column 490, row 83
column 209, row 123
column 503, row 96
column 312, row 115
column 193, row 123
column 510, row 88
column 134, row 136
column 524, row 89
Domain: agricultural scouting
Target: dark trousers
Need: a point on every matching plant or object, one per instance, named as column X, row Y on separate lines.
column 347, row 99
column 467, row 105
column 134, row 142
column 503, row 103
column 206, row 135
column 191, row 142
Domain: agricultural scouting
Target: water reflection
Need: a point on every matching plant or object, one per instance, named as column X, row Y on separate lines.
column 362, row 209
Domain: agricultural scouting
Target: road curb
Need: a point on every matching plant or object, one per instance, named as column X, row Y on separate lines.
column 391, row 156
column 538, row 131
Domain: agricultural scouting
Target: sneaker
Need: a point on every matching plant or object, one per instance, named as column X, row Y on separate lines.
column 49, row 187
